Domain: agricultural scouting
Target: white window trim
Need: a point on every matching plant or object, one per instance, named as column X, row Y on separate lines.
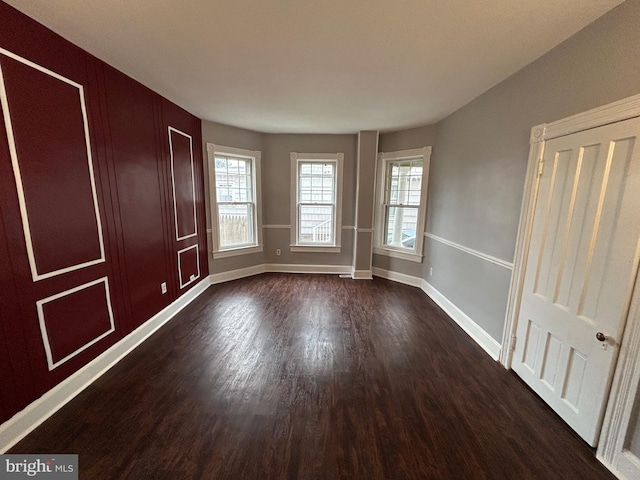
column 379, row 247
column 294, row 246
column 212, row 150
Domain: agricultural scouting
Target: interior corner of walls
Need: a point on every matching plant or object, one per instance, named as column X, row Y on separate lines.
column 236, row 274
column 307, row 268
column 362, row 274
column 397, row 277
column 470, row 327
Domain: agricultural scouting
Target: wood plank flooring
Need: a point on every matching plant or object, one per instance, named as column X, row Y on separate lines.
column 283, row 376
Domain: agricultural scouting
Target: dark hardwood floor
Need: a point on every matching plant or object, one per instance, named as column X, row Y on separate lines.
column 312, row 377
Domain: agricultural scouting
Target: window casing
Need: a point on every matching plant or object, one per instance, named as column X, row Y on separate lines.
column 401, row 202
column 316, row 207
column 234, row 184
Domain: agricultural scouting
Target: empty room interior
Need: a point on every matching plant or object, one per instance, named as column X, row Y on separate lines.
column 381, row 240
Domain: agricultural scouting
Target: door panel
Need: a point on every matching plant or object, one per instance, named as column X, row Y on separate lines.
column 582, row 261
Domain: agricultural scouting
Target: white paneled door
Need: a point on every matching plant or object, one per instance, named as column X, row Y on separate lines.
column 580, row 271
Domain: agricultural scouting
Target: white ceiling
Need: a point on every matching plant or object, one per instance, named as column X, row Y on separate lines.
column 317, row 66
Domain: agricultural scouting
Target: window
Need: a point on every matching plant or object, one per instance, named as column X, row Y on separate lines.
column 234, row 183
column 401, row 203
column 316, row 213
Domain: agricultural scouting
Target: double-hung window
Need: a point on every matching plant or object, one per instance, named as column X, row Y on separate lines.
column 401, row 203
column 316, row 212
column 234, row 183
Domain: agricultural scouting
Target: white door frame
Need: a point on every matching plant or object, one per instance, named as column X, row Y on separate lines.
column 627, row 374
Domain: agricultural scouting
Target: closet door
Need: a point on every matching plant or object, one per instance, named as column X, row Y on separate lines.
column 581, row 269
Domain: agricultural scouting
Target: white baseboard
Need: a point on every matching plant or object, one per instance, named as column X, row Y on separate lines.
column 620, row 474
column 285, row 268
column 472, row 329
column 397, row 277
column 295, row 268
column 361, row 274
column 25, row 421
column 236, row 274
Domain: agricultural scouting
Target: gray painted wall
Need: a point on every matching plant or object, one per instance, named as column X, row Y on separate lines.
column 480, row 156
column 229, row 137
column 393, row 142
column 276, row 186
column 365, row 199
column 408, row 139
column 367, row 157
column 276, row 173
column 478, row 166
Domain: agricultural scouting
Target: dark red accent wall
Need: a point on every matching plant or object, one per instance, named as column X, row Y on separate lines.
column 76, row 279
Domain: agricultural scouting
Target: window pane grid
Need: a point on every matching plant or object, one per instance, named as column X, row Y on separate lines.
column 234, row 179
column 401, row 202
column 315, row 224
column 235, row 201
column 401, row 225
column 316, row 182
column 316, row 203
column 404, row 182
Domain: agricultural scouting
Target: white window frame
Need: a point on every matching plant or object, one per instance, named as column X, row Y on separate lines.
column 296, row 159
column 380, row 248
column 254, row 156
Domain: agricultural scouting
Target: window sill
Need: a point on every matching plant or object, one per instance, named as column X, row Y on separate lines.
column 232, row 252
column 412, row 257
column 315, row 248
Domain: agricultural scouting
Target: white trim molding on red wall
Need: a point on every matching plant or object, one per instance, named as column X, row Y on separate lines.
column 173, row 186
column 15, row 161
column 25, row 421
column 43, row 325
column 193, row 278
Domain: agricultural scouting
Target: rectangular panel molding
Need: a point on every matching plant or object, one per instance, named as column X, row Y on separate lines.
column 183, row 184
column 60, row 213
column 188, row 265
column 529, row 354
column 101, row 186
column 78, row 309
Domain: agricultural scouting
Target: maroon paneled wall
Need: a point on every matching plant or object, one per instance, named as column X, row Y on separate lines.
column 101, row 202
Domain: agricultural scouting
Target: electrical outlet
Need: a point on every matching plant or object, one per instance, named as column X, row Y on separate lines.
column 163, row 287
column 278, row 251
column 431, row 271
